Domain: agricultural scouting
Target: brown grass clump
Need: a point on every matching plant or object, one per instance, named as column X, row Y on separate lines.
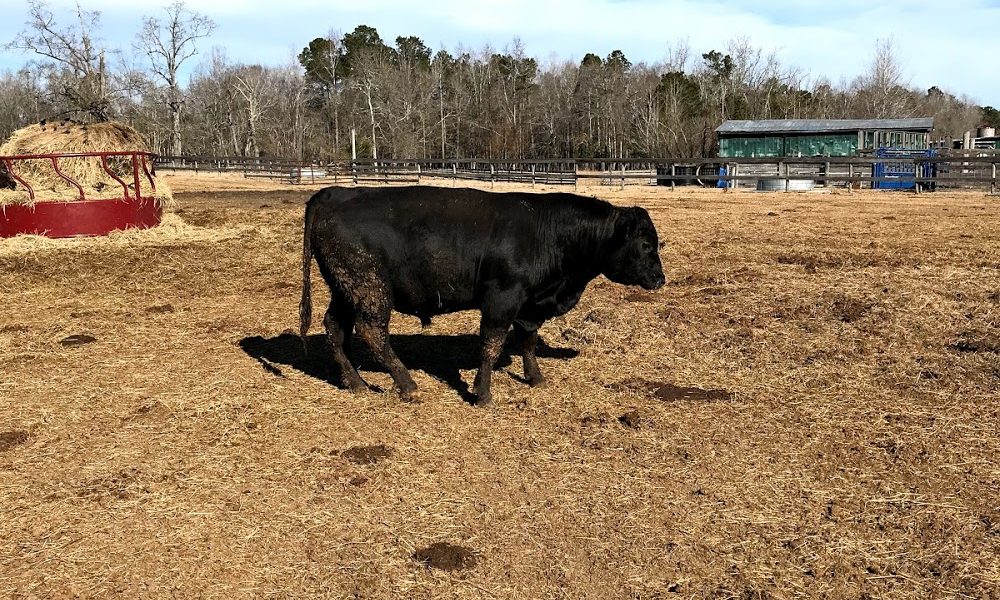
column 65, row 137
column 750, row 430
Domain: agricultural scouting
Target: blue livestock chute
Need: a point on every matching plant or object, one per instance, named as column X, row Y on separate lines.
column 722, row 183
column 899, row 175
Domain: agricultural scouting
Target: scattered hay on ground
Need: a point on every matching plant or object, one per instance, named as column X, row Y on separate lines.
column 196, row 451
column 172, row 231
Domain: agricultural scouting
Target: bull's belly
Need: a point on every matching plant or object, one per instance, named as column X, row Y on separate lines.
column 425, row 302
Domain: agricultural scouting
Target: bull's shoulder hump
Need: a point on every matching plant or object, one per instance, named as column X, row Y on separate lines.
column 333, row 195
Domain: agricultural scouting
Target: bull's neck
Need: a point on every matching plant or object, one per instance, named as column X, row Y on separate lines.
column 589, row 243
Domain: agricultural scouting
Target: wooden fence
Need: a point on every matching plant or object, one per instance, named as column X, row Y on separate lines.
column 972, row 169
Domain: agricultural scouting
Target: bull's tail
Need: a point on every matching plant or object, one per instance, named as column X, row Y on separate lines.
column 305, row 305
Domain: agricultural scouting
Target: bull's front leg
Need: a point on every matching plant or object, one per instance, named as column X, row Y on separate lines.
column 493, row 339
column 499, row 310
column 527, row 333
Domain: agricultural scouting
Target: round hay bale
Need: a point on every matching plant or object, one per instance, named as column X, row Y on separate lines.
column 48, row 137
column 66, row 137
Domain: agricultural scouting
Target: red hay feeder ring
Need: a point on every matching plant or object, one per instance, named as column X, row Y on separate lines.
column 79, row 218
column 84, row 216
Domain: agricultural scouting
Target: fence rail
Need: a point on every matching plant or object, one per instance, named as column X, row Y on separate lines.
column 919, row 173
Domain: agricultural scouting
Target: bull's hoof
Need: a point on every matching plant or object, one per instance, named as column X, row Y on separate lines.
column 537, row 381
column 355, row 385
column 484, row 402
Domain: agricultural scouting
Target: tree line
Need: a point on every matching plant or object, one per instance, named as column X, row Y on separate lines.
column 355, row 92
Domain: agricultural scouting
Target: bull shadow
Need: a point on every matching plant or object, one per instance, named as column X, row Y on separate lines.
column 440, row 356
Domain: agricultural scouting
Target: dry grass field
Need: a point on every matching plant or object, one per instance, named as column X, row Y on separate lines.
column 809, row 408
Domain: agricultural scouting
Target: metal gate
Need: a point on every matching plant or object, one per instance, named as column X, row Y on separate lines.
column 901, row 175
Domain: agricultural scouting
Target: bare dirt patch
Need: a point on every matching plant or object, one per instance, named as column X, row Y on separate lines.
column 669, row 392
column 367, row 455
column 640, row 297
column 446, row 557
column 152, row 412
column 977, row 343
column 78, row 339
column 632, row 419
column 12, row 439
column 848, row 309
column 118, row 484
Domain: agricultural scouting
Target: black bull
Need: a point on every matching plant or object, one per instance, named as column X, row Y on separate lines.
column 519, row 258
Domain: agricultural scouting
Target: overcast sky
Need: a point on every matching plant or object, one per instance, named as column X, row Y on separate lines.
column 954, row 45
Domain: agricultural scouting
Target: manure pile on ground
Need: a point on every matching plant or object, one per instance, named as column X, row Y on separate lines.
column 67, row 137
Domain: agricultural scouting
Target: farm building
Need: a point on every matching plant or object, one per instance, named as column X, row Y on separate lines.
column 821, row 137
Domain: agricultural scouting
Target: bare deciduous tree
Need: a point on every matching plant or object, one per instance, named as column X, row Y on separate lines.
column 77, row 69
column 484, row 103
column 256, row 88
column 882, row 88
column 169, row 44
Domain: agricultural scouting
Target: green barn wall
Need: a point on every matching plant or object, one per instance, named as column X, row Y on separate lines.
column 838, row 144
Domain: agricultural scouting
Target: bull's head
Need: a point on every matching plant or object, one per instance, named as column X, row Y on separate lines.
column 632, row 256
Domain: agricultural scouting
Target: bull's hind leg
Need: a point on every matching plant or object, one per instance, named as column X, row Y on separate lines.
column 360, row 287
column 374, row 311
column 376, row 335
column 339, row 322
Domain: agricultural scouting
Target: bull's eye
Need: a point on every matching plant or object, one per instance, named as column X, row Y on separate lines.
column 645, row 246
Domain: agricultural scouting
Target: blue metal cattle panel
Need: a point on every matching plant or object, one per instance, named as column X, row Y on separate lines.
column 722, row 183
column 903, row 175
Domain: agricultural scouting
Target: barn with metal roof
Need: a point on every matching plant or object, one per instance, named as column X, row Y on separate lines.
column 821, row 137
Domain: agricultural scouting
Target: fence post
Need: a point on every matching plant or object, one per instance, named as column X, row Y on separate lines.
column 783, row 166
column 576, row 176
column 418, row 172
column 623, row 176
column 993, row 184
column 673, row 174
column 454, row 173
column 826, row 173
column 493, row 176
column 918, row 170
column 532, row 174
column 850, row 178
column 354, row 172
